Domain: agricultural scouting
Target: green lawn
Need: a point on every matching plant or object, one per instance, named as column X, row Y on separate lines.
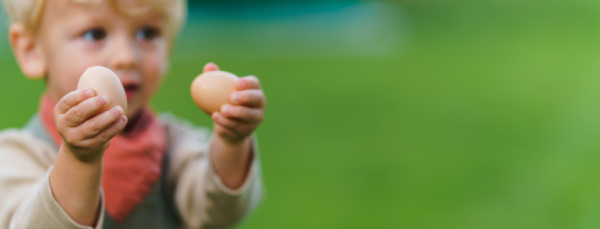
column 484, row 115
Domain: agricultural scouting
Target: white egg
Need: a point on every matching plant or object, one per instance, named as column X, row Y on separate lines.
column 104, row 82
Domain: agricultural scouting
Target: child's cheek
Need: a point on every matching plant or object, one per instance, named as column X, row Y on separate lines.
column 154, row 67
column 64, row 69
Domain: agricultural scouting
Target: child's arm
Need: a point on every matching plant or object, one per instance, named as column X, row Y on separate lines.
column 218, row 181
column 234, row 124
column 76, row 176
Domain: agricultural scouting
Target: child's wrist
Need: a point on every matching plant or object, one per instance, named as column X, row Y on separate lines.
column 82, row 155
column 234, row 141
column 231, row 154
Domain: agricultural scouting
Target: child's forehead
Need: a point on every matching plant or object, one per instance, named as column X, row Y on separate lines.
column 102, row 9
column 122, row 7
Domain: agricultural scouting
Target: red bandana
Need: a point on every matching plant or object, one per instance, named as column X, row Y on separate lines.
column 132, row 162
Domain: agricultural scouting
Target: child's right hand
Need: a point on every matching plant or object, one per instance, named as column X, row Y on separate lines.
column 85, row 129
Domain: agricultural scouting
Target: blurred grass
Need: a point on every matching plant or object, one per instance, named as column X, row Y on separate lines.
column 486, row 118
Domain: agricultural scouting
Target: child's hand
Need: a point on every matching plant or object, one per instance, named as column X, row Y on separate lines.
column 86, row 131
column 237, row 120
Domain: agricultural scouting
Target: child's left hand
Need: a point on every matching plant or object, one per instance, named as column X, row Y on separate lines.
column 236, row 121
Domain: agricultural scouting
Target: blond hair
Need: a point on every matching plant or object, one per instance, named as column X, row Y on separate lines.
column 29, row 12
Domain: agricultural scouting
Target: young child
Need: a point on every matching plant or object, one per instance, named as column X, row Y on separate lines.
column 157, row 172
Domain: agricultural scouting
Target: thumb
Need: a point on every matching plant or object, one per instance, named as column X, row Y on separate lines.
column 210, row 66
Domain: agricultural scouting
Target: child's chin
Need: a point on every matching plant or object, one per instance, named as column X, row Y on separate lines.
column 133, row 112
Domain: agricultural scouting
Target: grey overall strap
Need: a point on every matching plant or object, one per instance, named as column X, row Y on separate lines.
column 36, row 127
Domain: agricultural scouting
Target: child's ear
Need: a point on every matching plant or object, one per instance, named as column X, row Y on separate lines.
column 28, row 52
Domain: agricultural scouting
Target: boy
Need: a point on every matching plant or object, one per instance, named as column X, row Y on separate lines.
column 60, row 170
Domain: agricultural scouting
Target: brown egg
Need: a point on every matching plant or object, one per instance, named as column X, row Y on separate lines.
column 104, row 82
column 212, row 89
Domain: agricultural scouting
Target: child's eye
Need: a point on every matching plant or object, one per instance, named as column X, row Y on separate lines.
column 148, row 33
column 95, row 34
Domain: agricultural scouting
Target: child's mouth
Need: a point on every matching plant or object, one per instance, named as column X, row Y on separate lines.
column 130, row 90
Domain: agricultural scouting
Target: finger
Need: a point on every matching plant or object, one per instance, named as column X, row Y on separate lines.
column 248, row 82
column 250, row 98
column 224, row 132
column 100, row 122
column 210, row 66
column 241, row 113
column 84, row 110
column 108, row 133
column 233, row 126
column 72, row 99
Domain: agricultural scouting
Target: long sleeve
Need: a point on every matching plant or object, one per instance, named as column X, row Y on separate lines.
column 201, row 198
column 26, row 200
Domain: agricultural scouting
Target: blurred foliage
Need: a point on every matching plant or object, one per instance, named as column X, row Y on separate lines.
column 474, row 114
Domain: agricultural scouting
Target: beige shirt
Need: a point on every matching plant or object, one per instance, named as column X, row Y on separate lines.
column 200, row 197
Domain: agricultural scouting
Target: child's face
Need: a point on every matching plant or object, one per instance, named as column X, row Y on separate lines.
column 76, row 36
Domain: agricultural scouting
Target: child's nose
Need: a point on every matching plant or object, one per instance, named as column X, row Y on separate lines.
column 123, row 55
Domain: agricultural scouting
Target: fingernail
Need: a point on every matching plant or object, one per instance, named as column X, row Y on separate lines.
column 88, row 92
column 226, row 109
column 105, row 99
column 119, row 110
column 123, row 119
column 235, row 98
column 239, row 84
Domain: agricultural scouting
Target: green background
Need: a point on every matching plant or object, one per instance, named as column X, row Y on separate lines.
column 402, row 114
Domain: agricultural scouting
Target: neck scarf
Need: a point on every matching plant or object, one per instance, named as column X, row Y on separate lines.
column 131, row 164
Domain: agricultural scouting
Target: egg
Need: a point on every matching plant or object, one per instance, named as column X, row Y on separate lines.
column 104, row 82
column 212, row 89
